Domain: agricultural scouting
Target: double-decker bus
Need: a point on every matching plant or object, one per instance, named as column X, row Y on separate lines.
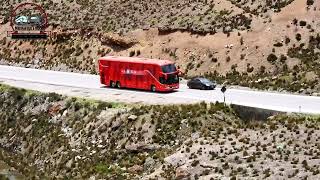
column 138, row 73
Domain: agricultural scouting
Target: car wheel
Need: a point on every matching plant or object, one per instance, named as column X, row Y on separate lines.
column 118, row 85
column 203, row 88
column 153, row 88
column 112, row 84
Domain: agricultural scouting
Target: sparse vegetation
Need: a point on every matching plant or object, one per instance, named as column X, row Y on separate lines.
column 61, row 122
column 310, row 2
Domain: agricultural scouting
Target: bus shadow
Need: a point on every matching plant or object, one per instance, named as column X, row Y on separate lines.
column 139, row 90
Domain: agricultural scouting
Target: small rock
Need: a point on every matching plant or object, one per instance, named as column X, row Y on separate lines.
column 302, row 91
column 54, row 109
column 280, row 147
column 27, row 129
column 218, row 117
column 77, row 157
column 132, row 117
column 100, row 146
column 12, row 169
column 271, row 118
column 266, row 79
column 258, row 81
column 69, row 163
column 184, row 121
column 92, row 178
column 116, row 124
column 149, row 163
column 92, row 153
column 135, row 169
column 181, row 173
column 65, row 113
column 195, row 135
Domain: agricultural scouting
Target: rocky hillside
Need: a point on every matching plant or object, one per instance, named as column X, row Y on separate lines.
column 124, row 16
column 271, row 44
column 48, row 135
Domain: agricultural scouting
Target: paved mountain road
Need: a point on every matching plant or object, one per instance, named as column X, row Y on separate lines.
column 88, row 86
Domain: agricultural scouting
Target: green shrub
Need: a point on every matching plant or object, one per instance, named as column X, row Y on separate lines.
column 310, row 2
column 303, row 23
column 298, row 37
column 278, row 44
column 272, row 58
column 132, row 53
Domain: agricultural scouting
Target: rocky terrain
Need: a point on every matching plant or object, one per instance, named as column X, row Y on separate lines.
column 51, row 136
column 272, row 45
column 9, row 173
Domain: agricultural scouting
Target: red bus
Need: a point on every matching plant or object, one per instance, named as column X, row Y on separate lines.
column 138, row 73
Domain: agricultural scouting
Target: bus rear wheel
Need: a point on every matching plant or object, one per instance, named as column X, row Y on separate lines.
column 153, row 88
column 112, row 84
column 118, row 85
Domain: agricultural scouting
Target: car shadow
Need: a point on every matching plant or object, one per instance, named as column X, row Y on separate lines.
column 139, row 90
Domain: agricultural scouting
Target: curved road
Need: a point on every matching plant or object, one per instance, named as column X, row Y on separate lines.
column 84, row 85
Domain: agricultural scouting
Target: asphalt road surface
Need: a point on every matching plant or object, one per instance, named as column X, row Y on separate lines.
column 88, row 86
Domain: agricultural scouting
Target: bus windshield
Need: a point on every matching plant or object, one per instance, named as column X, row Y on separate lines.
column 171, row 79
column 170, row 68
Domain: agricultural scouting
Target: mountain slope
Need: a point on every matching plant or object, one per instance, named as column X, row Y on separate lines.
column 261, row 44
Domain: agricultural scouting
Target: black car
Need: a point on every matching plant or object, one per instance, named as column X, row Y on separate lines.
column 201, row 83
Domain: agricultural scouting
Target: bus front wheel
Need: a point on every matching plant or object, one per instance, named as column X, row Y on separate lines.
column 118, row 85
column 153, row 88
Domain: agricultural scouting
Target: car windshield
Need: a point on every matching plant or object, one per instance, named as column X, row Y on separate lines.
column 169, row 68
column 203, row 80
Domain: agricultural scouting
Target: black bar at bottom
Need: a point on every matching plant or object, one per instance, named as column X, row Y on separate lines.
column 29, row 36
